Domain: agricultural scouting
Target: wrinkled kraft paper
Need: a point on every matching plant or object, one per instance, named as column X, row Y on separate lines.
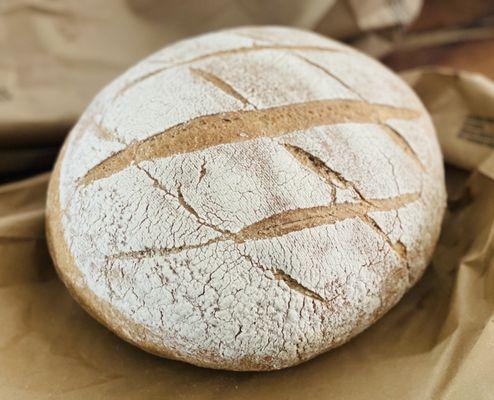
column 437, row 342
column 56, row 54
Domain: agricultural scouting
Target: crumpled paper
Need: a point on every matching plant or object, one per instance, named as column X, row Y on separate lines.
column 462, row 107
column 437, row 343
column 57, row 54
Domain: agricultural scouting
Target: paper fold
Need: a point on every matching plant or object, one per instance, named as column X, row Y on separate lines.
column 436, row 343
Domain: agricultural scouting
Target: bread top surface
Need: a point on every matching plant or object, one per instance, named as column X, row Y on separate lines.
column 247, row 199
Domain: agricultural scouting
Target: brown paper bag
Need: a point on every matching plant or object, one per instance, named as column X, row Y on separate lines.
column 56, row 55
column 462, row 107
column 437, row 343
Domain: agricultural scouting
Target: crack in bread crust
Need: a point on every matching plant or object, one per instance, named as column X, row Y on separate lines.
column 278, row 274
column 333, row 178
column 239, row 126
column 331, row 75
column 291, row 221
column 219, row 53
column 320, row 168
column 158, row 252
column 397, row 247
column 295, row 285
column 221, row 85
column 287, row 222
column 396, row 137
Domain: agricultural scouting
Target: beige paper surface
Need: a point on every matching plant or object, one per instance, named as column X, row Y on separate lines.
column 436, row 343
column 462, row 107
column 378, row 14
column 56, row 54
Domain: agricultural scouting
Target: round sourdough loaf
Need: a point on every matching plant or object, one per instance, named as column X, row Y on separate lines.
column 247, row 199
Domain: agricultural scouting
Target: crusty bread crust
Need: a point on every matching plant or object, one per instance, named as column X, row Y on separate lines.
column 369, row 233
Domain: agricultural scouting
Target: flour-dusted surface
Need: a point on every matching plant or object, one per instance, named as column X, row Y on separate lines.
column 247, row 199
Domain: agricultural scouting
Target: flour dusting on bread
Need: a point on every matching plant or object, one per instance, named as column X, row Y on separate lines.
column 247, row 199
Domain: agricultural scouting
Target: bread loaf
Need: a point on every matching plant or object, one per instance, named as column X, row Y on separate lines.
column 247, row 199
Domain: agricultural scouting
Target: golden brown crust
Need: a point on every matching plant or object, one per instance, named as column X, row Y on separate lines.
column 135, row 334
column 213, row 130
column 205, row 132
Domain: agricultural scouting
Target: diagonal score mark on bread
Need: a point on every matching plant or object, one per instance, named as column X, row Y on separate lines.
column 239, row 126
column 221, row 85
column 333, row 179
column 396, row 137
column 328, row 267
column 219, row 53
column 293, row 284
column 278, row 274
column 331, row 75
column 287, row 222
column 294, row 220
